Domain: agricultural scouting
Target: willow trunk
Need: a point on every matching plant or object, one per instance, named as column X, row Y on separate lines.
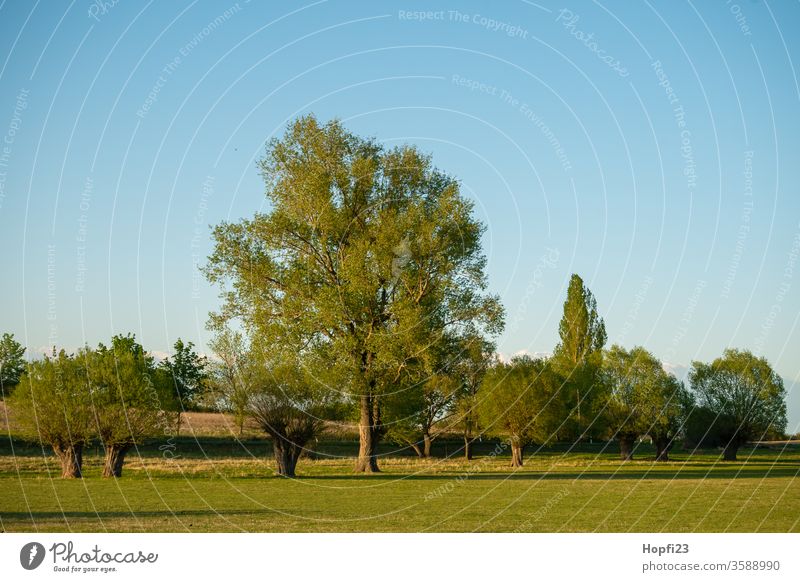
column 114, row 459
column 516, row 454
column 71, row 457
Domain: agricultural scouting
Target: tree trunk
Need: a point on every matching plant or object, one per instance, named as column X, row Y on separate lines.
column 467, row 448
column 71, row 457
column 368, row 435
column 417, row 450
column 729, row 452
column 626, row 443
column 516, row 454
column 663, row 444
column 286, row 455
column 114, row 459
column 426, row 443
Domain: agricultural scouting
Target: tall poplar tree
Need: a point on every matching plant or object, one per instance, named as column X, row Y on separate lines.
column 578, row 356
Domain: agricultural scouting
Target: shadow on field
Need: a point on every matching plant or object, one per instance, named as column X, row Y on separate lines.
column 743, row 471
column 165, row 514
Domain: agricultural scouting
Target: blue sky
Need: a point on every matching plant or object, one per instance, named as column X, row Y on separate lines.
column 650, row 147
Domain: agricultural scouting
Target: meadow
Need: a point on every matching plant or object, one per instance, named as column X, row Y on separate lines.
column 211, row 482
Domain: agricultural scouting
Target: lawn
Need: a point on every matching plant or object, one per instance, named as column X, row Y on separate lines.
column 217, row 484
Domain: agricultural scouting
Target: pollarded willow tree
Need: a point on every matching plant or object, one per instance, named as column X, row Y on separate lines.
column 128, row 405
column 288, row 402
column 521, row 401
column 367, row 257
column 641, row 398
column 53, row 404
column 744, row 396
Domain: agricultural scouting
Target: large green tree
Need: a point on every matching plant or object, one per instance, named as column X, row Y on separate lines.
column 127, row 405
column 521, row 401
column 53, row 404
column 744, row 393
column 641, row 399
column 12, row 363
column 368, row 257
column 578, row 356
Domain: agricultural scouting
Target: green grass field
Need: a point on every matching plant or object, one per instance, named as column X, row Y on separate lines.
column 219, row 485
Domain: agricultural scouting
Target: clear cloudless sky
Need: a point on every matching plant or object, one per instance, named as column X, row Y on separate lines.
column 650, row 147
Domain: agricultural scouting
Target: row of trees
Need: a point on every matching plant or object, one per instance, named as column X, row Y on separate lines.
column 361, row 295
column 582, row 392
column 585, row 391
column 120, row 396
column 116, row 394
column 366, row 278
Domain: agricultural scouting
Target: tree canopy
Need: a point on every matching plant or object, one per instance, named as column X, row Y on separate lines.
column 367, row 257
column 578, row 356
column 522, row 400
column 641, row 398
column 744, row 393
column 188, row 371
column 127, row 404
column 12, row 363
column 53, row 404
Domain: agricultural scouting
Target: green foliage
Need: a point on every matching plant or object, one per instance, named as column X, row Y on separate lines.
column 53, row 402
column 12, row 363
column 642, row 397
column 581, row 329
column 232, row 377
column 426, row 407
column 578, row 357
column 188, row 372
column 521, row 400
column 127, row 405
column 66, row 401
column 743, row 393
column 288, row 403
column 699, row 430
column 477, row 356
column 418, row 412
column 368, row 258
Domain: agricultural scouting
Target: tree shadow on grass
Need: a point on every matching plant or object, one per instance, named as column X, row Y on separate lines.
column 624, row 474
column 100, row 515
